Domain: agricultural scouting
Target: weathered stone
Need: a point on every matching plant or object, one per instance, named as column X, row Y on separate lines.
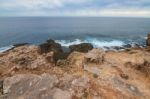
column 76, row 59
column 28, row 86
column 81, row 82
column 95, row 56
column 83, row 47
column 50, row 45
column 60, row 94
column 92, row 69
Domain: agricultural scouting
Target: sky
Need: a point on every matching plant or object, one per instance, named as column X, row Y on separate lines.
column 112, row 8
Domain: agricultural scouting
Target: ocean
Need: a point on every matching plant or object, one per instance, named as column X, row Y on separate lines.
column 99, row 31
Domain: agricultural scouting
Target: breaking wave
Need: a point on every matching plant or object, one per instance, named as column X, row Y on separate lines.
column 95, row 42
column 3, row 49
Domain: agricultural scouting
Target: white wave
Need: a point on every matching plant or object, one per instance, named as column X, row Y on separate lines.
column 68, row 43
column 3, row 49
column 102, row 44
column 95, row 42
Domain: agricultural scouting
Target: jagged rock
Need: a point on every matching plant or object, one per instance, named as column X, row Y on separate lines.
column 51, row 45
column 95, row 56
column 24, row 57
column 83, row 47
column 148, row 40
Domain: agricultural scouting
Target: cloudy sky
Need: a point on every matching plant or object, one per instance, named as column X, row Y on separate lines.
column 123, row 8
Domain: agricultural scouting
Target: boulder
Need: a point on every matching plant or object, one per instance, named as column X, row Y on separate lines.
column 30, row 86
column 148, row 40
column 51, row 45
column 95, row 56
column 83, row 47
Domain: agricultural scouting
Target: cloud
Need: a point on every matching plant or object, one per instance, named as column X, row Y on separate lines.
column 133, row 8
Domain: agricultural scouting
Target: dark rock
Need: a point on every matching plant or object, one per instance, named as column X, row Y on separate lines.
column 50, row 45
column 56, row 48
column 60, row 56
column 117, row 47
column 127, row 46
column 136, row 46
column 124, row 76
column 20, row 44
column 83, row 47
column 148, row 40
column 1, row 87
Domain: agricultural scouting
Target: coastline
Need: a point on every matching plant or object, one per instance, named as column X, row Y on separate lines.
column 82, row 72
column 115, row 45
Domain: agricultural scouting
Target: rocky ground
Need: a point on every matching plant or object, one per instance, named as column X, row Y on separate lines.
column 46, row 72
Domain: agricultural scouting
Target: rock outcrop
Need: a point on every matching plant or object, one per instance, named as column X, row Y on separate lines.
column 28, row 86
column 24, row 57
column 83, row 47
column 25, row 73
column 95, row 56
column 148, row 40
column 56, row 48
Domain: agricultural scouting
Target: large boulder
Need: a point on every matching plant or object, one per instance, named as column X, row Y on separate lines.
column 30, row 86
column 50, row 45
column 148, row 40
column 56, row 48
column 83, row 47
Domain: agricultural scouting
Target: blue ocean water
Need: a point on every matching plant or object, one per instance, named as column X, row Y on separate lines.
column 100, row 31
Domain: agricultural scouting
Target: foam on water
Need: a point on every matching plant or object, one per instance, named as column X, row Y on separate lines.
column 3, row 49
column 95, row 42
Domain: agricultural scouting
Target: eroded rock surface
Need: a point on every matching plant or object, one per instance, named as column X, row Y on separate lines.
column 25, row 73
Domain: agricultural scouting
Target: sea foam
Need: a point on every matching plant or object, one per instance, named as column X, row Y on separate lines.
column 95, row 42
column 3, row 49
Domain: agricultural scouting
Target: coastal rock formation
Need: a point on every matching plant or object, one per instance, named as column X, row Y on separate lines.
column 95, row 56
column 25, row 73
column 83, row 47
column 52, row 46
column 28, row 86
column 148, row 40
column 76, row 59
column 24, row 57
